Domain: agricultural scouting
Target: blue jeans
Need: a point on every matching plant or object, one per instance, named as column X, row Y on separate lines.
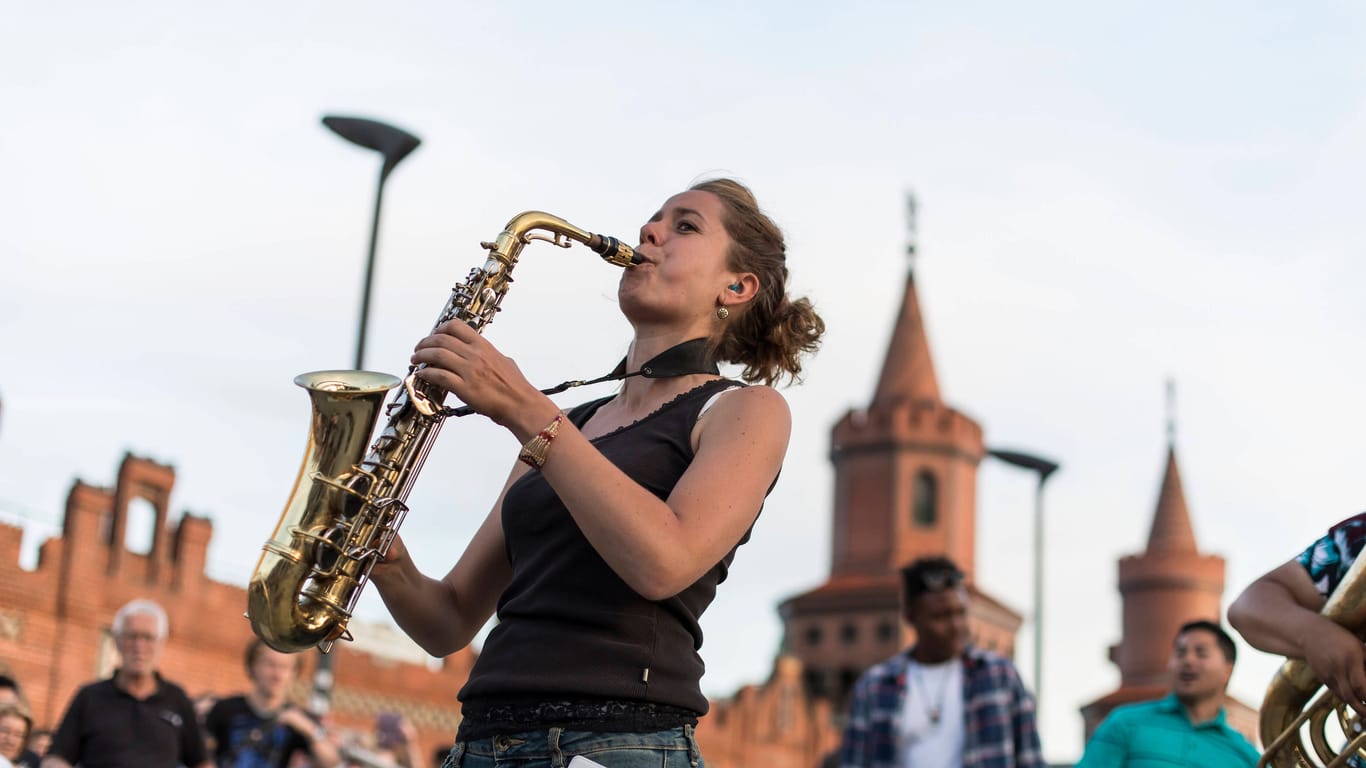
column 555, row 747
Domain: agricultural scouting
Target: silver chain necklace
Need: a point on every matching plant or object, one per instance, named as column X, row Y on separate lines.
column 935, row 709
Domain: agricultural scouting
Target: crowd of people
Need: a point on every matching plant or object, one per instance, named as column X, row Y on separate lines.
column 137, row 717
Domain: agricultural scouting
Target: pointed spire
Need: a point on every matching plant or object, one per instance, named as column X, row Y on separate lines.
column 1171, row 531
column 908, row 368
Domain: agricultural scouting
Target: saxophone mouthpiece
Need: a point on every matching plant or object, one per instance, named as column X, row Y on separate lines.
column 615, row 251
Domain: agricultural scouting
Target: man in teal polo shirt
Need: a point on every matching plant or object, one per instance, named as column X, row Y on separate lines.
column 1187, row 728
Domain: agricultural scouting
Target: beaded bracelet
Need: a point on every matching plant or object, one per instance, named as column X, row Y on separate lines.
column 536, row 449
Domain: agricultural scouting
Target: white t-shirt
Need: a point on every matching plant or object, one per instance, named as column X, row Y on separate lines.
column 930, row 730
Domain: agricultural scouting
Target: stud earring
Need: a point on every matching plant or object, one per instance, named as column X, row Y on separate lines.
column 722, row 313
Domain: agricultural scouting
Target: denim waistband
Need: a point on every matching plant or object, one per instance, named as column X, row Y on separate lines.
column 555, row 747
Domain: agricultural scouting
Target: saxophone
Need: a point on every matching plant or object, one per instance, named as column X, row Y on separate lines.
column 348, row 503
column 1291, row 711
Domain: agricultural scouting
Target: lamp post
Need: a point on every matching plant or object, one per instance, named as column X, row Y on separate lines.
column 1043, row 467
column 394, row 144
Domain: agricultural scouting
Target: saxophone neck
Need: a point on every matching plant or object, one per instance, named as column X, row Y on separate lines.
column 525, row 227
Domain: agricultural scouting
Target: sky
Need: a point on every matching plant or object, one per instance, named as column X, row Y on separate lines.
column 1110, row 195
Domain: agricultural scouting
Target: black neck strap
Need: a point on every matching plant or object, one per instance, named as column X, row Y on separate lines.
column 690, row 357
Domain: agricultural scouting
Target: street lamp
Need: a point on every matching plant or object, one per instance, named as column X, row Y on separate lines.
column 1044, row 468
column 394, row 144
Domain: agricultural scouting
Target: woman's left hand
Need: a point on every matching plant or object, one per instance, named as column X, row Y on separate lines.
column 464, row 363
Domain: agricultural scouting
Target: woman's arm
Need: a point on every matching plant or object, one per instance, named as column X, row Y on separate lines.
column 443, row 615
column 1279, row 613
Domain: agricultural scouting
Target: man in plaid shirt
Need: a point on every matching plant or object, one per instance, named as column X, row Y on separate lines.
column 941, row 703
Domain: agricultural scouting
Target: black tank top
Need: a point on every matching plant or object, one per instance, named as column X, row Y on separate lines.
column 569, row 630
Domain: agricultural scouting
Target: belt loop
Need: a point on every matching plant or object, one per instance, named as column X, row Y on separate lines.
column 456, row 756
column 556, row 755
column 694, row 753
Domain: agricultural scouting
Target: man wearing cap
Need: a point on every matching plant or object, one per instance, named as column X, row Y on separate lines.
column 941, row 703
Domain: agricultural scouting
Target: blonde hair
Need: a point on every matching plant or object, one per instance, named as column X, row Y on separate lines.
column 15, row 709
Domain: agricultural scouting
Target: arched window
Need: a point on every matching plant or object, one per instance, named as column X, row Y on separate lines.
column 139, row 526
column 886, row 632
column 925, row 499
column 849, row 633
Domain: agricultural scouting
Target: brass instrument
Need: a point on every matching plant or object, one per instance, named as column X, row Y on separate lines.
column 347, row 504
column 1284, row 716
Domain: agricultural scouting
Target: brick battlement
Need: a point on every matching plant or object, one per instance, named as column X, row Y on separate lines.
column 907, row 424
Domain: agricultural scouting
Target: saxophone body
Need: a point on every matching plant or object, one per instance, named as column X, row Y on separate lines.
column 1291, row 710
column 348, row 499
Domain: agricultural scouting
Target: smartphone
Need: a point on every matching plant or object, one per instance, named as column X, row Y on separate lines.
column 580, row 761
column 387, row 732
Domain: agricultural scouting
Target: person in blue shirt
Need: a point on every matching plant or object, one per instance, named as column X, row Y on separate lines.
column 1187, row 728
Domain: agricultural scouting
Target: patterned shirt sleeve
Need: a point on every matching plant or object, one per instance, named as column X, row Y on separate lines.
column 1328, row 559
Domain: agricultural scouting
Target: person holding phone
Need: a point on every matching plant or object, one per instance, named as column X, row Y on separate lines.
column 262, row 728
column 621, row 516
column 396, row 740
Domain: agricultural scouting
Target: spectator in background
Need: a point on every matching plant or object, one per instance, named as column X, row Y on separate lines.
column 38, row 742
column 262, row 729
column 15, row 724
column 1186, row 728
column 396, row 740
column 135, row 718
column 27, row 756
column 9, row 690
column 941, row 703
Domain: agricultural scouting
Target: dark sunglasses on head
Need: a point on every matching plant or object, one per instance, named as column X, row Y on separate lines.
column 937, row 581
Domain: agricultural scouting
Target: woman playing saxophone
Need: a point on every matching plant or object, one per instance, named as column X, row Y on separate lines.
column 621, row 515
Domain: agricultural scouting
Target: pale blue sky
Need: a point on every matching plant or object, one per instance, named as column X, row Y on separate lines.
column 1110, row 194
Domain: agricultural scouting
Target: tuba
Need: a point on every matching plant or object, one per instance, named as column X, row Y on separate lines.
column 1284, row 716
column 348, row 502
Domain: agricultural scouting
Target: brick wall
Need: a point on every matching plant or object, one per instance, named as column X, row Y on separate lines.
column 55, row 619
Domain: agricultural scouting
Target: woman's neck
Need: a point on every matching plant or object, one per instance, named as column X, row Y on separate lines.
column 639, row 393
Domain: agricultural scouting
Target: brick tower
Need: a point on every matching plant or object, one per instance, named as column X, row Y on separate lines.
column 905, row 486
column 1167, row 585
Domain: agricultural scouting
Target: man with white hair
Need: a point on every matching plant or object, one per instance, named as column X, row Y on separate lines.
column 135, row 719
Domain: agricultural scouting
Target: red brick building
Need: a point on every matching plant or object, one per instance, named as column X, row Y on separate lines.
column 55, row 619
column 905, row 486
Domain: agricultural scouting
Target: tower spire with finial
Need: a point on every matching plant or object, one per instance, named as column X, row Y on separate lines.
column 1171, row 412
column 910, row 231
column 908, row 370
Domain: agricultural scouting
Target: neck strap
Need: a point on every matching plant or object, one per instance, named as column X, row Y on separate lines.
column 693, row 356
